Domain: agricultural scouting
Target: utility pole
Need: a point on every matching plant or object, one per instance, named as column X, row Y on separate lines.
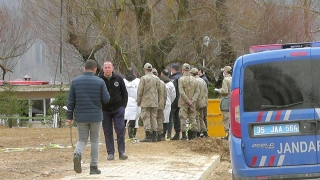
column 60, row 54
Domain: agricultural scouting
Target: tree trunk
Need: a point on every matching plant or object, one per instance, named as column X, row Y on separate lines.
column 227, row 54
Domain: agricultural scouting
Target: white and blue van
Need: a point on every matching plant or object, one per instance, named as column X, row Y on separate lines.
column 275, row 113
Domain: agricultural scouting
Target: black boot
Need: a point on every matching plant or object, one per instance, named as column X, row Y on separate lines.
column 198, row 134
column 159, row 137
column 176, row 136
column 205, row 134
column 190, row 132
column 77, row 163
column 130, row 132
column 147, row 138
column 154, row 136
column 168, row 136
column 184, row 136
column 194, row 134
column 94, row 170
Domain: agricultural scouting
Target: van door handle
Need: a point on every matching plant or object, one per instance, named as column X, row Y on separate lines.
column 310, row 126
column 318, row 126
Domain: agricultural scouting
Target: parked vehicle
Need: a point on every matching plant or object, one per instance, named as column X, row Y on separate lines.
column 275, row 113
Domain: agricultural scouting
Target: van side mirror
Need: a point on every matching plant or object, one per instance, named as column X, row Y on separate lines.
column 225, row 104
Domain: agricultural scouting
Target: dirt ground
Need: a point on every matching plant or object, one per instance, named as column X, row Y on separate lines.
column 46, row 153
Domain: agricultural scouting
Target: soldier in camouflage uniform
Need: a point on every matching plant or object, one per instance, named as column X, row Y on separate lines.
column 201, row 103
column 147, row 99
column 225, row 91
column 189, row 93
column 161, row 104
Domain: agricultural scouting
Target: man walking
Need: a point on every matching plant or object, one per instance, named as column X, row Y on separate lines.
column 189, row 93
column 113, row 112
column 147, row 99
column 85, row 104
column 174, row 114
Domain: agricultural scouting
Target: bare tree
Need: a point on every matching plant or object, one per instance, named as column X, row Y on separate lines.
column 16, row 37
column 133, row 32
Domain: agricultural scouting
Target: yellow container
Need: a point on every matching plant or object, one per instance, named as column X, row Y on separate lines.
column 214, row 119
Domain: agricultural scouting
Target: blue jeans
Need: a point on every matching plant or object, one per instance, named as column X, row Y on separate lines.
column 114, row 119
column 84, row 129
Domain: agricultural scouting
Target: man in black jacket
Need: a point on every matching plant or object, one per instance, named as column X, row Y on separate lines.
column 113, row 112
column 174, row 114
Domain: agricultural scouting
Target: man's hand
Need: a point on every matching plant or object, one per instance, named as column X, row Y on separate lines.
column 69, row 121
column 190, row 103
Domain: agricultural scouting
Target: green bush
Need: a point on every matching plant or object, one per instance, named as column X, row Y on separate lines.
column 211, row 93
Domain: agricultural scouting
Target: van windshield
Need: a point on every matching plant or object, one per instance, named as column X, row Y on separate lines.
column 281, row 85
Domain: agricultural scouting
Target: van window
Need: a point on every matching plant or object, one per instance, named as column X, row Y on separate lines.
column 278, row 85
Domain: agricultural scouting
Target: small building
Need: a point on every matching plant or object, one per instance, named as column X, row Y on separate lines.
column 40, row 96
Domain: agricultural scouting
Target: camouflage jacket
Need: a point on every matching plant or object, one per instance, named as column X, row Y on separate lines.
column 226, row 86
column 189, row 90
column 203, row 96
column 148, row 91
column 162, row 96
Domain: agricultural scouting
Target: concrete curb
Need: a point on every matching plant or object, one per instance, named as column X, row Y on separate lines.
column 184, row 167
column 210, row 166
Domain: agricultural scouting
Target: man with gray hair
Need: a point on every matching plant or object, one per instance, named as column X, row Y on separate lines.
column 147, row 99
column 189, row 93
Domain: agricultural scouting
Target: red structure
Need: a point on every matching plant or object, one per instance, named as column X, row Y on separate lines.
column 22, row 82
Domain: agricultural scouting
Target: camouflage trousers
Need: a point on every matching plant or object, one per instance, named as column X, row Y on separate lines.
column 226, row 121
column 199, row 117
column 149, row 118
column 188, row 113
column 160, row 120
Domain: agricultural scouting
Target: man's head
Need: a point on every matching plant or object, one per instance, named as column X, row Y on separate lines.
column 200, row 70
column 194, row 71
column 147, row 67
column 107, row 68
column 165, row 72
column 130, row 71
column 154, row 71
column 91, row 66
column 174, row 68
column 226, row 70
column 186, row 67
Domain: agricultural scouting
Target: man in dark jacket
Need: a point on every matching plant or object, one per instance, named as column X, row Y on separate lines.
column 86, row 95
column 113, row 112
column 174, row 114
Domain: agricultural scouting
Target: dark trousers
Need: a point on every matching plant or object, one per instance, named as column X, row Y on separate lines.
column 165, row 128
column 114, row 119
column 174, row 117
column 205, row 116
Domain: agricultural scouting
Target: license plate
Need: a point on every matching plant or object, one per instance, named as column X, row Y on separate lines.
column 275, row 129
